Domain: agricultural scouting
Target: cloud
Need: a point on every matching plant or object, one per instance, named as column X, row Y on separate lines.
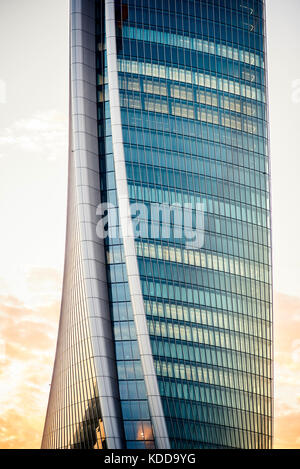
column 287, row 431
column 287, row 371
column 28, row 337
column 44, row 133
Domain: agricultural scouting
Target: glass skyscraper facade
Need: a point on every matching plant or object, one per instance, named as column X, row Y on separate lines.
column 163, row 343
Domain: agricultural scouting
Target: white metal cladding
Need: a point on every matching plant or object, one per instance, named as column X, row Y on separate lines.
column 84, row 116
column 155, row 405
column 83, row 199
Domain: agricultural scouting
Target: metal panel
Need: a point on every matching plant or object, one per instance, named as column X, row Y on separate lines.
column 156, row 410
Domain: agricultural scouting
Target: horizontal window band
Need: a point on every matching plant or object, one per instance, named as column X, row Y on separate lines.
column 190, row 76
column 193, row 43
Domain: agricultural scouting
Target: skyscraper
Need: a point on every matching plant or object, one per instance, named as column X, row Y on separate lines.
column 165, row 342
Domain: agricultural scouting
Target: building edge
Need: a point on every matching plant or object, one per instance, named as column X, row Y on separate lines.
column 83, row 199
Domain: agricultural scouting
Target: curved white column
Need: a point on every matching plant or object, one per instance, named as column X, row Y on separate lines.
column 85, row 155
column 154, row 399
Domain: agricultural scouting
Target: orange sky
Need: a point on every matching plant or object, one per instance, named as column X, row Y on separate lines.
column 33, row 177
column 287, row 371
column 28, row 352
column 26, row 360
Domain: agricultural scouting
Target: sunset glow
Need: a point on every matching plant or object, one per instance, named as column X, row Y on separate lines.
column 33, row 192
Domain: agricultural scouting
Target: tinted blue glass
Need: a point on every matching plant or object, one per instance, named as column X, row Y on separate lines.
column 193, row 101
column 192, row 88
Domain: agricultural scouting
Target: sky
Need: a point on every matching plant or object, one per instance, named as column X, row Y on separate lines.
column 33, row 188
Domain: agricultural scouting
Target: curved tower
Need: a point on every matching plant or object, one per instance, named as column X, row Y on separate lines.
column 165, row 334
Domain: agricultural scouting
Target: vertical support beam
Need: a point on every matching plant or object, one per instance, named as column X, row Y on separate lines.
column 154, row 399
column 87, row 186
